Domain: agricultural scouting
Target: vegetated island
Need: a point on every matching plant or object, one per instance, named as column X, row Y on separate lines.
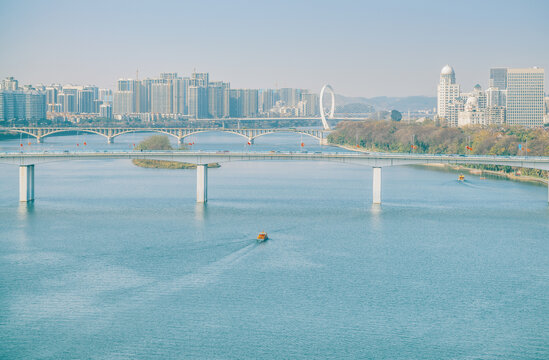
column 161, row 142
column 432, row 138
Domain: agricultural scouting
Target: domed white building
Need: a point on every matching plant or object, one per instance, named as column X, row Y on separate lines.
column 447, row 92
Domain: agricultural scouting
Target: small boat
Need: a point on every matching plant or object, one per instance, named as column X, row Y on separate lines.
column 461, row 177
column 262, row 237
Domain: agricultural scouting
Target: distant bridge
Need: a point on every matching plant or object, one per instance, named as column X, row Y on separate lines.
column 180, row 133
column 26, row 162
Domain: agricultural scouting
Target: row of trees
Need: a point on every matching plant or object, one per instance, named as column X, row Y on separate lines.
column 432, row 139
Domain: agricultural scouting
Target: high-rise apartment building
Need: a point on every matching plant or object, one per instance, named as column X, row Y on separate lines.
column 198, row 102
column 161, row 98
column 525, row 97
column 447, row 92
column 9, row 84
column 180, row 92
column 498, row 78
column 249, row 102
column 217, row 91
column 310, row 104
column 21, row 105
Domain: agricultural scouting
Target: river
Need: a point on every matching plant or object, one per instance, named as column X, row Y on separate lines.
column 113, row 261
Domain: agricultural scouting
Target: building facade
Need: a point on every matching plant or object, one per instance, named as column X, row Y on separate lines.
column 525, row 97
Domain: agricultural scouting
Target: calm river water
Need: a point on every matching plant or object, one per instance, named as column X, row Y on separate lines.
column 113, row 261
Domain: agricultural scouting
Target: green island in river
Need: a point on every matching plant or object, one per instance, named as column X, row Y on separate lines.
column 161, row 142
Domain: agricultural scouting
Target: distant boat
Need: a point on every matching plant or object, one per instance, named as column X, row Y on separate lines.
column 461, row 177
column 262, row 237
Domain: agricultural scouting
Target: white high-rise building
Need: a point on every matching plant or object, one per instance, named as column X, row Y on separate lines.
column 447, row 92
column 525, row 97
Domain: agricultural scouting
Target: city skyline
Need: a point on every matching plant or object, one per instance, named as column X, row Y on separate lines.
column 387, row 49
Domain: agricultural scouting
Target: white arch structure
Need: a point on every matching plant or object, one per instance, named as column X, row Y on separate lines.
column 332, row 110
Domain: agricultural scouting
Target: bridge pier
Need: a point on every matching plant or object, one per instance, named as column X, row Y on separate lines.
column 251, row 141
column 201, row 183
column 376, row 185
column 323, row 141
column 26, row 183
column 110, row 140
column 39, row 140
column 179, row 141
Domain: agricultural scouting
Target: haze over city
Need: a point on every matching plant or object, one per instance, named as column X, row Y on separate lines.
column 372, row 48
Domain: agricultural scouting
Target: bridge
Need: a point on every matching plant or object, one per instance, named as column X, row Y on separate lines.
column 180, row 133
column 377, row 161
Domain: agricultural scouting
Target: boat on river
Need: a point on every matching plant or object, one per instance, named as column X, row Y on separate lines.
column 262, row 237
column 461, row 177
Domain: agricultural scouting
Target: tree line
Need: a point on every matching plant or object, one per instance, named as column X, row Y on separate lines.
column 429, row 138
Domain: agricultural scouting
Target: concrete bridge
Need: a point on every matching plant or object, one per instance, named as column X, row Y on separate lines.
column 180, row 133
column 26, row 162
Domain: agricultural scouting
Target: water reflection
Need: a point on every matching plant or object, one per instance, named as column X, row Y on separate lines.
column 201, row 212
column 25, row 209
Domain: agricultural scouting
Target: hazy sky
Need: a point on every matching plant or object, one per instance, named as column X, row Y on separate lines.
column 362, row 48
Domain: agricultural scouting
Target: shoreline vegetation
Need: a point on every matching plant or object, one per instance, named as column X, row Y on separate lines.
column 162, row 164
column 161, row 142
column 431, row 138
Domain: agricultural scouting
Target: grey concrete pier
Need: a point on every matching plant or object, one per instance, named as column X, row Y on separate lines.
column 376, row 185
column 202, row 183
column 26, row 183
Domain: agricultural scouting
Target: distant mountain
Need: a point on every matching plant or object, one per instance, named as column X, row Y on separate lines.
column 355, row 108
column 402, row 104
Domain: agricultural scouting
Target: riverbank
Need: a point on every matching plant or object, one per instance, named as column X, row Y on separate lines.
column 474, row 171
column 162, row 164
column 480, row 172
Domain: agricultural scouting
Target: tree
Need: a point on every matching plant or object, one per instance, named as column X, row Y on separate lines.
column 155, row 142
column 396, row 115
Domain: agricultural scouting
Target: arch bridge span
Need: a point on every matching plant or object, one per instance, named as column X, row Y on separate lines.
column 179, row 133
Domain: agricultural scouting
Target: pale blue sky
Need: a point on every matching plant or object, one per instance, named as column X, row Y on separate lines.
column 362, row 48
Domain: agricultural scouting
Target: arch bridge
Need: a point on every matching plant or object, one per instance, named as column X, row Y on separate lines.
column 179, row 133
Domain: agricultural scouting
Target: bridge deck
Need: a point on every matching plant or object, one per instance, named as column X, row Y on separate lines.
column 202, row 157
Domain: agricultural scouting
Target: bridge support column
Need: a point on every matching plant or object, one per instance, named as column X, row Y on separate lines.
column 376, row 185
column 201, row 183
column 250, row 141
column 323, row 141
column 179, row 141
column 26, row 183
column 110, row 140
column 39, row 140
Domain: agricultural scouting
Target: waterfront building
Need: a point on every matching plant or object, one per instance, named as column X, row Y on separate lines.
column 21, row 105
column 51, row 97
column 35, row 106
column 235, row 102
column 180, row 91
column 123, row 102
column 105, row 111
column 161, row 98
column 85, row 101
column 105, row 95
column 447, row 92
column 71, row 98
column 525, row 97
column 9, row 84
column 310, row 104
column 290, row 96
column 267, row 100
column 200, row 79
column 498, row 78
column 496, row 97
column 198, row 101
column 217, row 91
column 249, row 102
